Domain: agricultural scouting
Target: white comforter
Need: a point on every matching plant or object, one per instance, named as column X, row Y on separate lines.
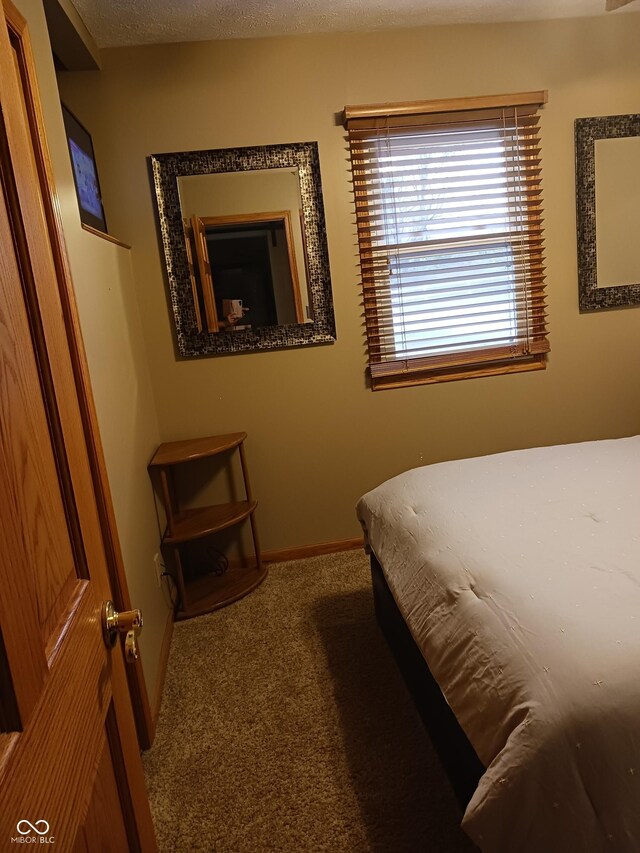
column 519, row 578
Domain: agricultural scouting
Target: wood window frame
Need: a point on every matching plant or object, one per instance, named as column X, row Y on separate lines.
column 394, row 372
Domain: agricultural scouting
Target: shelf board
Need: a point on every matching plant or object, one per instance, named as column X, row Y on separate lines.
column 195, row 523
column 173, row 452
column 213, row 591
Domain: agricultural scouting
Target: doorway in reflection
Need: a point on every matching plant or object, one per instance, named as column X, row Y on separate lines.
column 241, row 270
column 252, row 260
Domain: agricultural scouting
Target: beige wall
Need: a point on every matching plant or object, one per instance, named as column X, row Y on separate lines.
column 317, row 437
column 112, row 331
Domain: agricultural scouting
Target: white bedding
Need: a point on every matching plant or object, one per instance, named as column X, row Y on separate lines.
column 519, row 577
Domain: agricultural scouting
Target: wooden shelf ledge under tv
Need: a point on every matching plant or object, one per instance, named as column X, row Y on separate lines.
column 204, row 593
column 109, row 237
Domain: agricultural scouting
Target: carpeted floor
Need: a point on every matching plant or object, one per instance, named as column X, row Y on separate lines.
column 286, row 727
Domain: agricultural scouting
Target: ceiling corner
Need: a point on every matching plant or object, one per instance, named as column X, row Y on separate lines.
column 71, row 42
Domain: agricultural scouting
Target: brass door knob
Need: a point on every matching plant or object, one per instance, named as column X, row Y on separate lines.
column 129, row 622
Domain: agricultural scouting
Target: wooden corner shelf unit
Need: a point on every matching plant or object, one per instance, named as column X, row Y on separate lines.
column 208, row 592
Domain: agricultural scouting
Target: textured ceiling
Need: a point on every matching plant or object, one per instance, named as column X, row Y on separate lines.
column 130, row 22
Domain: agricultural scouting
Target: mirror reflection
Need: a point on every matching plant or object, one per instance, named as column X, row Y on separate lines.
column 245, row 242
column 617, row 211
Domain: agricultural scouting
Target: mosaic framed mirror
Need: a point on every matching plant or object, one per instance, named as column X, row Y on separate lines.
column 608, row 211
column 245, row 247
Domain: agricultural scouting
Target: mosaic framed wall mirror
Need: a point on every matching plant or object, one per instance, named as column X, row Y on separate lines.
column 244, row 239
column 608, row 211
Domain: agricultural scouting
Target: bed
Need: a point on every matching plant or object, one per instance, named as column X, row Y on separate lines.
column 513, row 581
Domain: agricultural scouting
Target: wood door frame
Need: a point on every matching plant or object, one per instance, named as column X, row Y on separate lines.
column 204, row 270
column 17, row 26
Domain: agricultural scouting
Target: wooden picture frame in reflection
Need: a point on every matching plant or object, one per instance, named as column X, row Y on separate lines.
column 85, row 172
column 253, row 248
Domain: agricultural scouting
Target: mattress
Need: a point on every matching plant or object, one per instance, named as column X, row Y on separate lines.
column 518, row 576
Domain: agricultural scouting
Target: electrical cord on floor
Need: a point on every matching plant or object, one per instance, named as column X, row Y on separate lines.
column 218, row 560
column 214, row 562
column 172, row 589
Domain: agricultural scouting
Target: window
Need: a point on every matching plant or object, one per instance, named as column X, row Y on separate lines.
column 449, row 219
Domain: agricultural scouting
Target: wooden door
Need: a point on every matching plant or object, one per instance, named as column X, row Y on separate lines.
column 70, row 770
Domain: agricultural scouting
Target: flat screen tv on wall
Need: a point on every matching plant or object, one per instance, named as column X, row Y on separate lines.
column 85, row 172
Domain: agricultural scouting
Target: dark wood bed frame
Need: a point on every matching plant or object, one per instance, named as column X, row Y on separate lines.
column 456, row 754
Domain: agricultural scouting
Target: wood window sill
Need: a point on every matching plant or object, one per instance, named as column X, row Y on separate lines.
column 429, row 377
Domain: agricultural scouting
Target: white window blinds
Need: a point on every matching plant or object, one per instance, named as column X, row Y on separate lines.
column 449, row 220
